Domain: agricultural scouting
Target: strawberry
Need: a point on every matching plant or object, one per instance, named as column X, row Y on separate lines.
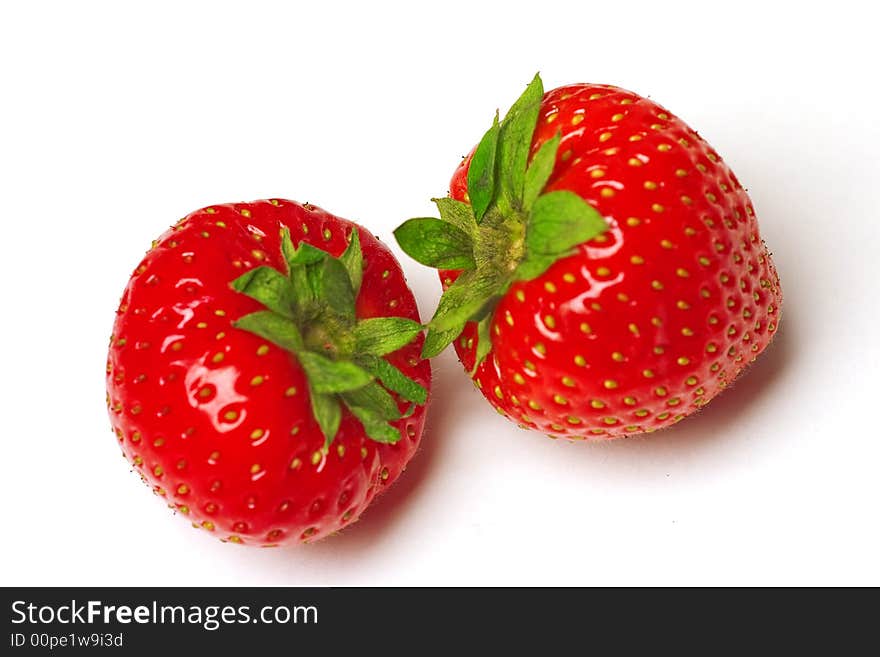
column 602, row 267
column 264, row 375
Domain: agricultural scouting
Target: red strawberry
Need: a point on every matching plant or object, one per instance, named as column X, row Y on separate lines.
column 614, row 285
column 243, row 373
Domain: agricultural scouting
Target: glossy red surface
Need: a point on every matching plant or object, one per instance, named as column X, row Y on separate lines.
column 216, row 420
column 648, row 322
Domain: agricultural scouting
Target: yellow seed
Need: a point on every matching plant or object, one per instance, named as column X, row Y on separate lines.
column 650, row 184
column 609, row 384
column 656, row 207
column 633, row 221
column 568, row 381
column 597, row 403
column 535, row 406
column 597, row 173
column 605, row 136
column 610, row 420
column 577, row 118
column 316, row 457
column 559, row 399
column 637, row 260
column 629, row 401
column 660, row 391
column 634, row 162
column 585, row 328
column 549, row 322
column 657, row 285
column 663, row 148
column 550, row 287
column 691, row 381
column 579, row 360
column 218, row 357
column 518, row 378
column 498, row 393
column 687, row 331
column 648, row 374
column 520, row 295
column 262, row 350
column 603, row 271
column 617, row 356
column 183, row 489
column 257, row 434
column 682, row 360
column 606, row 192
column 617, row 117
column 568, row 278
column 257, row 380
column 571, row 419
column 540, row 348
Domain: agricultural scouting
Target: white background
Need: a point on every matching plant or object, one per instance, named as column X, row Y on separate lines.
column 115, row 121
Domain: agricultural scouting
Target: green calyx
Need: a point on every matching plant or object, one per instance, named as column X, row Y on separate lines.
column 512, row 229
column 310, row 311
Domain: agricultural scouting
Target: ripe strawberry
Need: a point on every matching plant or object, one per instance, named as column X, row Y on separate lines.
column 243, row 373
column 614, row 285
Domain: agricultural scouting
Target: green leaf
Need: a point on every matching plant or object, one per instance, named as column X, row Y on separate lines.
column 352, row 259
column 328, row 414
column 336, row 289
column 481, row 172
column 540, row 169
column 515, row 141
column 459, row 214
column 303, row 270
column 467, row 296
column 535, row 264
column 436, row 341
column 382, row 335
column 273, row 327
column 484, row 341
column 375, row 398
column 393, row 379
column 561, row 221
column 436, row 243
column 268, row 286
column 305, row 254
column 288, row 250
column 375, row 427
column 332, row 376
